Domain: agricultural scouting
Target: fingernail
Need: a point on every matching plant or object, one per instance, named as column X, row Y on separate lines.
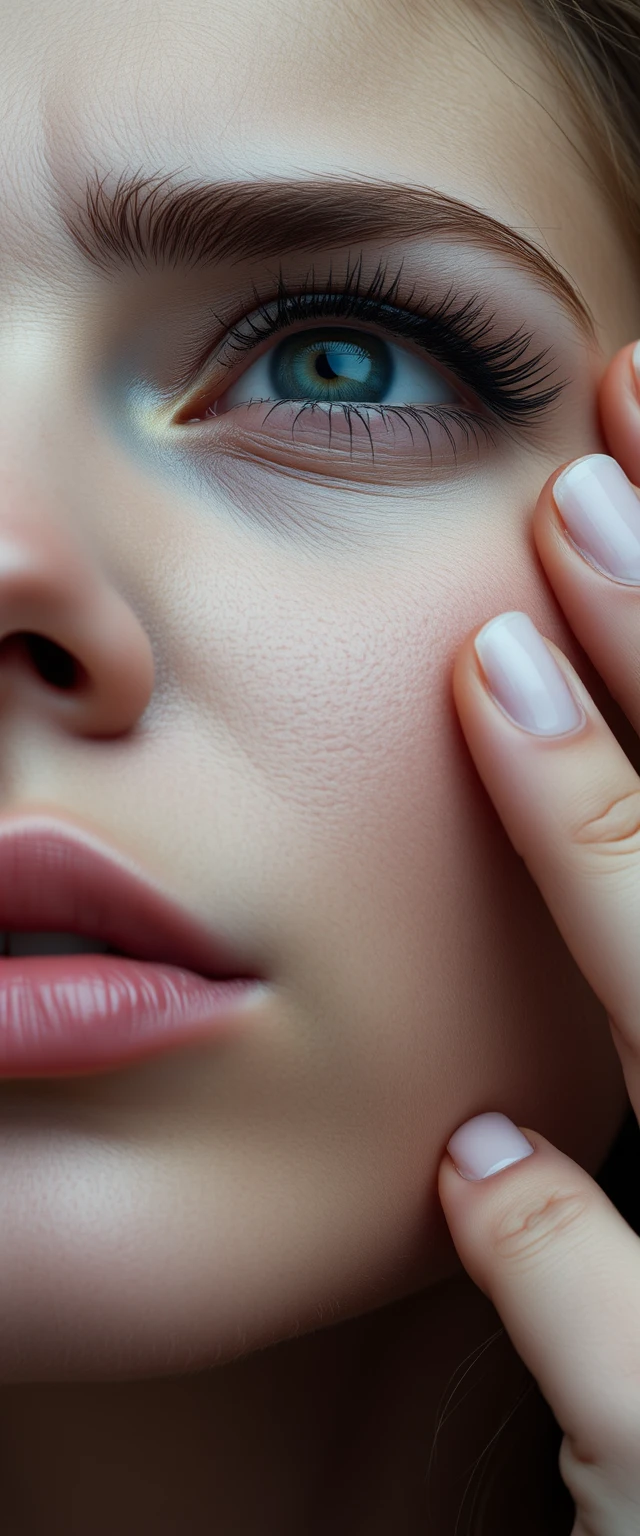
column 602, row 513
column 487, row 1144
column 635, row 359
column 524, row 676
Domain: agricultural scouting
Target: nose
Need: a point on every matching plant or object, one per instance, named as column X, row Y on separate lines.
column 71, row 646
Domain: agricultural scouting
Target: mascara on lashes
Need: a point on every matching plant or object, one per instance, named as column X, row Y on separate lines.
column 515, row 383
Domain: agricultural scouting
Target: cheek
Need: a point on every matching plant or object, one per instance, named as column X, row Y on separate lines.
column 315, row 793
column 423, row 977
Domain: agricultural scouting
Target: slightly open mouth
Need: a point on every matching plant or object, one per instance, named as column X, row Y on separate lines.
column 19, row 941
column 72, row 1004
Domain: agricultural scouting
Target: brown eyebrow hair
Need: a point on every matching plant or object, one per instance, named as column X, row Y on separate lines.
column 151, row 219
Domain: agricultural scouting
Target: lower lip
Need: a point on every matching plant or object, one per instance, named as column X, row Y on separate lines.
column 67, row 1014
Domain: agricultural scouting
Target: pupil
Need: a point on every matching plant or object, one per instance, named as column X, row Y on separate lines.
column 323, row 367
column 327, row 365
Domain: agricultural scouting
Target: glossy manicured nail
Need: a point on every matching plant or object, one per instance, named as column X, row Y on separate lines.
column 486, row 1145
column 524, row 677
column 635, row 360
column 602, row 514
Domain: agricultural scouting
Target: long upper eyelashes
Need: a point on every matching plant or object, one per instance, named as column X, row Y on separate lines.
column 516, row 382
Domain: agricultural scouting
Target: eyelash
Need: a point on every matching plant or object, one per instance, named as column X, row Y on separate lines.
column 512, row 382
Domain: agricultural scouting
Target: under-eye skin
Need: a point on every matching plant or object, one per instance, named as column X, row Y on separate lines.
column 358, row 367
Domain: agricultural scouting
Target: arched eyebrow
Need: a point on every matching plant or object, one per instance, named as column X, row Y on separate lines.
column 162, row 220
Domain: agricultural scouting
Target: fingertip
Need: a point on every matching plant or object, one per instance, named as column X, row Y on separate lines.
column 476, row 1154
column 487, row 1144
column 619, row 406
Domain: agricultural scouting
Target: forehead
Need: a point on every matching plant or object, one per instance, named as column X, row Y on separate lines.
column 257, row 87
column 427, row 91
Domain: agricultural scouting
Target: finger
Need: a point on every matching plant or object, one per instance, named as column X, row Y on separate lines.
column 569, row 800
column 619, row 400
column 585, row 515
column 562, row 1269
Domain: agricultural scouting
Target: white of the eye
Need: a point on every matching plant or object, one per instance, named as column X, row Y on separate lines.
column 414, row 382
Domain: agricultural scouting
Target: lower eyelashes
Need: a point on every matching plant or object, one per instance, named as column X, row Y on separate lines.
column 351, row 392
column 354, row 440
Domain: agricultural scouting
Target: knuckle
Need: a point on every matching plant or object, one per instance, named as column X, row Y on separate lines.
column 616, row 831
column 520, row 1236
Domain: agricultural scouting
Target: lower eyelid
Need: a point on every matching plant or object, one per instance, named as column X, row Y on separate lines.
column 382, row 444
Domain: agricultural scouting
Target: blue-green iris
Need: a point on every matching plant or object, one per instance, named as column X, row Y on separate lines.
column 331, row 365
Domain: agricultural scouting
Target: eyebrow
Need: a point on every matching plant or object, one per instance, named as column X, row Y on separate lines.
column 158, row 220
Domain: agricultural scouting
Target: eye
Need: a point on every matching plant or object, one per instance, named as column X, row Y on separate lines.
column 342, row 365
column 351, row 378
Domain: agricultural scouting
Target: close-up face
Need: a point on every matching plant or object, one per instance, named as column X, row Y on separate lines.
column 299, row 308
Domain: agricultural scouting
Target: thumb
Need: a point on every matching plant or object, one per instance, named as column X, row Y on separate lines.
column 562, row 1269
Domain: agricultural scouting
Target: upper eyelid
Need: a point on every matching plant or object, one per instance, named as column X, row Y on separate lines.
column 254, row 343
column 310, row 284
column 164, row 218
column 215, row 349
column 213, row 354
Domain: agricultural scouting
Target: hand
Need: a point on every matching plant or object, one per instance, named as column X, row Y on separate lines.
column 537, row 1234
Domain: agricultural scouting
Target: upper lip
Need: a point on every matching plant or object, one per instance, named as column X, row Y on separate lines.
column 54, row 876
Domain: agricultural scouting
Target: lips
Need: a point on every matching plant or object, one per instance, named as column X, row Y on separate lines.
column 54, row 878
column 164, row 980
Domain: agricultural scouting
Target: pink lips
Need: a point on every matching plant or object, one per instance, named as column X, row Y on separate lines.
column 66, row 1014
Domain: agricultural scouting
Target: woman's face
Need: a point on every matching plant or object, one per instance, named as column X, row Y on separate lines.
column 294, row 774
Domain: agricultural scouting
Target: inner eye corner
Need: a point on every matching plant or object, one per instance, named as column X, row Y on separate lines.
column 190, row 412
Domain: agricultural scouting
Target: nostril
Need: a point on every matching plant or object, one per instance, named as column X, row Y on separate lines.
column 55, row 665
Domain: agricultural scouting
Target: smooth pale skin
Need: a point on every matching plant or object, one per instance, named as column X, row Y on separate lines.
column 292, row 768
column 540, row 1237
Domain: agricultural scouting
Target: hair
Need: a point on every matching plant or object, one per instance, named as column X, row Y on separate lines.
column 595, row 47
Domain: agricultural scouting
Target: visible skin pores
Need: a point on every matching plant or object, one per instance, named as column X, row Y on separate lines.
column 268, row 624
